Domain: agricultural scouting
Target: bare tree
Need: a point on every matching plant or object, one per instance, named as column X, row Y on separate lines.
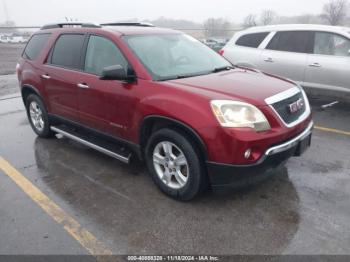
column 304, row 19
column 335, row 11
column 250, row 21
column 8, row 24
column 217, row 27
column 267, row 17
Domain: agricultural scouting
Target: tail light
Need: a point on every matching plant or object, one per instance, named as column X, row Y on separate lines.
column 221, row 52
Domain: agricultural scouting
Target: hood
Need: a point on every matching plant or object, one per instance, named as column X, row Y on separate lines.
column 238, row 84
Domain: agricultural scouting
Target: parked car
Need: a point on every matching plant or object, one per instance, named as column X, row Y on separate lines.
column 17, row 40
column 13, row 39
column 218, row 46
column 315, row 56
column 4, row 39
column 132, row 90
column 209, row 42
column 215, row 43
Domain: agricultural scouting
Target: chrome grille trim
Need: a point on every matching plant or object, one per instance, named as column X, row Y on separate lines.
column 285, row 95
column 282, row 96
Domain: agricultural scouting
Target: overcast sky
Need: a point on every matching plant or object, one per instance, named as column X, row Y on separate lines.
column 38, row 12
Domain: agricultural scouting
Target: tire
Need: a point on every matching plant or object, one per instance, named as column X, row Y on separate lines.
column 38, row 116
column 180, row 174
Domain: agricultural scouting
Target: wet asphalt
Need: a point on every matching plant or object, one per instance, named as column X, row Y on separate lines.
column 303, row 209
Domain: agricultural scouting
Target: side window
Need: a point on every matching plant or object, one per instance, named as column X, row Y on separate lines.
column 35, row 46
column 331, row 44
column 100, row 53
column 67, row 51
column 252, row 40
column 291, row 41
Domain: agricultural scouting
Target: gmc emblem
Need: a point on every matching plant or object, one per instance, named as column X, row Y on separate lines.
column 296, row 106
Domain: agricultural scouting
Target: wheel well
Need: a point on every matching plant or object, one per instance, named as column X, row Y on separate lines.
column 153, row 124
column 26, row 91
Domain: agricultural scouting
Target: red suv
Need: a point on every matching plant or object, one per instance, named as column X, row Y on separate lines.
column 158, row 94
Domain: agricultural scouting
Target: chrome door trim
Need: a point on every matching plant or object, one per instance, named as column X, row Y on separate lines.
column 45, row 76
column 83, row 86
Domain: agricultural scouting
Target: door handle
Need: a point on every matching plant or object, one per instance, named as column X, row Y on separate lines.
column 315, row 65
column 269, row 59
column 83, row 86
column 46, row 76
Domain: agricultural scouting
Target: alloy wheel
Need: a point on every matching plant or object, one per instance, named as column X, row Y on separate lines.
column 171, row 165
column 36, row 116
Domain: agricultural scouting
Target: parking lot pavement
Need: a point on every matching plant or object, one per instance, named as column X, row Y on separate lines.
column 303, row 209
column 9, row 55
column 8, row 84
column 26, row 228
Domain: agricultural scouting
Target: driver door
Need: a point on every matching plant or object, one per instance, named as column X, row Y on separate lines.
column 101, row 101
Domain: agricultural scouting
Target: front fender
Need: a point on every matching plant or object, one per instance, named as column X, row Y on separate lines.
column 194, row 112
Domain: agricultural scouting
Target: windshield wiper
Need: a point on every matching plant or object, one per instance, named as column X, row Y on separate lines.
column 223, row 68
column 178, row 77
column 215, row 70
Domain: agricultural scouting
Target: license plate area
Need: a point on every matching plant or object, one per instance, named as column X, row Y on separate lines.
column 303, row 145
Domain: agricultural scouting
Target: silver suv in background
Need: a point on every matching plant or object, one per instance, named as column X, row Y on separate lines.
column 315, row 56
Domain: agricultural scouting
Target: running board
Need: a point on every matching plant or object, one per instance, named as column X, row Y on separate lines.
column 86, row 142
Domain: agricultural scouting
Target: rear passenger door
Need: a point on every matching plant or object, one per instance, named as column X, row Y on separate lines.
column 328, row 65
column 61, row 75
column 286, row 54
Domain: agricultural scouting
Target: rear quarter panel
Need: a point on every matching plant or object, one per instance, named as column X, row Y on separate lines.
column 29, row 71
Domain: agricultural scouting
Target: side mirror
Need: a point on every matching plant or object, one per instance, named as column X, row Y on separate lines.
column 115, row 72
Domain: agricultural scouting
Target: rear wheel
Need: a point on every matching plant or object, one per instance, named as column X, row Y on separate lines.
column 38, row 116
column 175, row 164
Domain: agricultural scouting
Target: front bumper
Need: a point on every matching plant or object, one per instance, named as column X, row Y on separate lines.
column 235, row 176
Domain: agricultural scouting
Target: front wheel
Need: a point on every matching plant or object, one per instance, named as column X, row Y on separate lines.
column 175, row 164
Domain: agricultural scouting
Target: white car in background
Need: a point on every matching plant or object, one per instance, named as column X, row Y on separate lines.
column 13, row 39
column 4, row 39
column 17, row 40
column 315, row 56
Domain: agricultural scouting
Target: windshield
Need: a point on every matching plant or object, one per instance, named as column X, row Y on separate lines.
column 175, row 56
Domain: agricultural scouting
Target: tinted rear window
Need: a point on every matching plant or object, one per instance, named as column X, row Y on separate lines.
column 291, row 41
column 331, row 44
column 251, row 40
column 67, row 51
column 35, row 45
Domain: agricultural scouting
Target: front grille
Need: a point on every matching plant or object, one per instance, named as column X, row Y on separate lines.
column 282, row 108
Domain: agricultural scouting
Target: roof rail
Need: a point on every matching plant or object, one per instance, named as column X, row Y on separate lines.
column 128, row 24
column 62, row 25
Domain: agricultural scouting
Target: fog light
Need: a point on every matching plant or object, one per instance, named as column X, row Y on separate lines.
column 247, row 153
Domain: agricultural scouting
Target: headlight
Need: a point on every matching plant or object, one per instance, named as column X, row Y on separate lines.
column 239, row 114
